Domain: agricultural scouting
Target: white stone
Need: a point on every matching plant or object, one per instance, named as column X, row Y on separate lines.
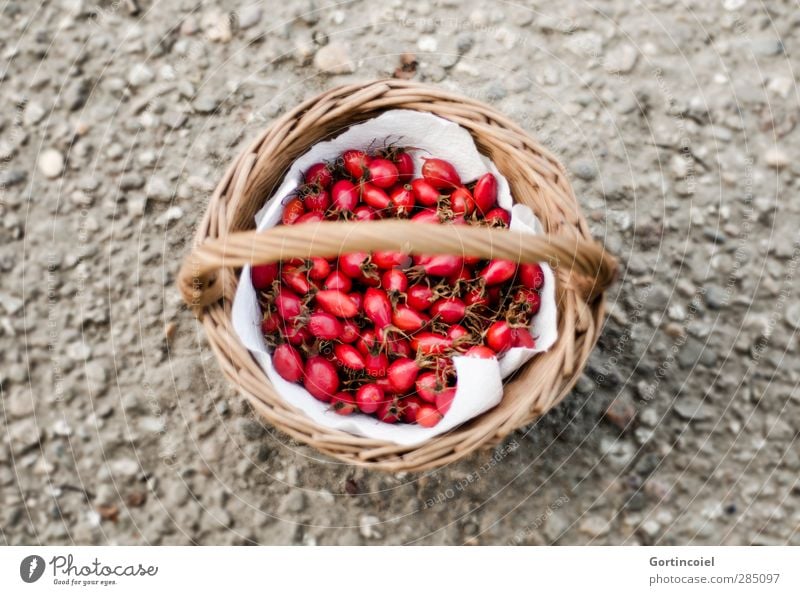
column 621, row 59
column 427, row 43
column 217, row 26
column 680, row 165
column 124, row 467
column 249, row 16
column 61, row 428
column 775, row 157
column 154, row 425
column 781, row 86
column 158, row 189
column 595, row 526
column 651, row 528
column 732, row 5
column 367, row 527
column 170, row 215
column 334, row 58
column 140, row 75
column 34, row 113
column 51, row 163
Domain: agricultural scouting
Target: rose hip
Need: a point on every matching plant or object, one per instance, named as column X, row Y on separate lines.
column 449, row 310
column 402, row 373
column 465, row 274
column 521, row 337
column 408, row 319
column 319, row 269
column 367, row 341
column 337, row 303
column 319, row 175
column 429, row 343
column 498, row 337
column 389, row 412
column 310, row 217
column 498, row 217
column 375, row 197
column 410, row 408
column 296, row 334
column 498, row 271
column 394, row 281
column 385, row 259
column 288, row 304
column 364, row 213
column 263, row 275
column 292, row 211
column 461, row 202
column 350, row 332
column 440, row 173
column 405, row 166
column 441, row 265
column 344, row 403
column 480, row 351
column 325, row 326
column 425, row 193
column 382, row 172
column 349, row 357
column 376, row 364
column 530, row 298
column 485, row 193
column 355, row 163
column 477, row 298
column 420, row 297
column 369, row 397
column 445, row 399
column 428, row 416
column 344, row 195
column 429, row 216
column 402, row 199
column 354, row 264
column 377, row 307
column 317, row 200
column 296, row 280
column 270, row 322
column 456, row 332
column 321, row 379
column 338, row 281
column 531, row 275
column 288, row 362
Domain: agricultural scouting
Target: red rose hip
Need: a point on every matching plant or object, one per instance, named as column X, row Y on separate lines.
column 288, row 362
column 321, row 379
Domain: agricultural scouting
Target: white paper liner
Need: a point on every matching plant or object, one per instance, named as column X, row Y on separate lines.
column 480, row 381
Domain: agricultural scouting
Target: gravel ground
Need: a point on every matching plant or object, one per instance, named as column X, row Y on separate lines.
column 677, row 121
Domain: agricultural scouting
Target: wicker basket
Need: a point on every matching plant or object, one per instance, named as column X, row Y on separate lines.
column 226, row 241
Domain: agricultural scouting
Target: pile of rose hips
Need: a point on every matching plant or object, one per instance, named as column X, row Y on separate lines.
column 376, row 332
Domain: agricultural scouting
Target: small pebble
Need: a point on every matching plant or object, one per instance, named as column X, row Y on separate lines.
column 33, row 114
column 776, row 158
column 217, row 26
column 334, row 58
column 368, row 527
column 585, row 170
column 140, row 75
column 51, row 163
column 249, row 16
column 205, row 104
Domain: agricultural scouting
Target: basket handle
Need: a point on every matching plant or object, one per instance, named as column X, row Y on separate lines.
column 201, row 285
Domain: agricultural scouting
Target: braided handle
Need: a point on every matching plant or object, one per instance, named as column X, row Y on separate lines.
column 201, row 285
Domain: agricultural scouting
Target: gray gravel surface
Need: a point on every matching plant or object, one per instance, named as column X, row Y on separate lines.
column 677, row 121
